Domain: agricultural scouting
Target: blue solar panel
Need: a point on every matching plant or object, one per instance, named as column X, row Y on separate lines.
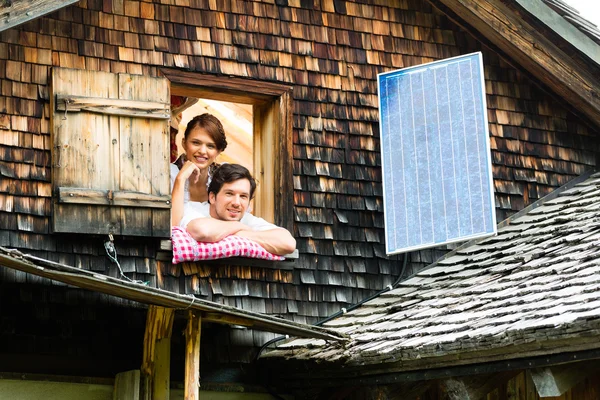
column 435, row 151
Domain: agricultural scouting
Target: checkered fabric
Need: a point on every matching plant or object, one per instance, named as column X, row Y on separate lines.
column 185, row 248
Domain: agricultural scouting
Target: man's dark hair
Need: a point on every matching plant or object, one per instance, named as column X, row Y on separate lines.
column 228, row 173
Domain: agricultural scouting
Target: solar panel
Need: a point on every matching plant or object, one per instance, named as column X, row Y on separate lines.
column 435, row 154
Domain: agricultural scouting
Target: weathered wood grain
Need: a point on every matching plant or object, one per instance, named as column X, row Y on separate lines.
column 193, row 331
column 128, row 108
column 109, row 197
column 16, row 12
column 114, row 154
column 157, row 353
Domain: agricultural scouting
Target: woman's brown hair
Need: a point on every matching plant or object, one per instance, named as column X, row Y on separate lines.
column 211, row 125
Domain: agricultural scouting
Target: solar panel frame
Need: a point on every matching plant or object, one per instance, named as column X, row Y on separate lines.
column 487, row 197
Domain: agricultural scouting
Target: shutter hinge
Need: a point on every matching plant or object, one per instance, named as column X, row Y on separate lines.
column 110, row 196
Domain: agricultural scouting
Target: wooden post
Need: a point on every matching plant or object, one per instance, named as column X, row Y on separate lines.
column 157, row 354
column 192, row 356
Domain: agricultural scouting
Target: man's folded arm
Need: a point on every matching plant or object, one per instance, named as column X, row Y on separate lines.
column 277, row 241
column 212, row 230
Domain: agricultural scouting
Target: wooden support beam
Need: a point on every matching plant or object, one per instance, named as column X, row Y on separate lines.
column 557, row 379
column 127, row 385
column 192, row 356
column 474, row 387
column 156, row 381
column 122, row 107
column 104, row 197
column 531, row 49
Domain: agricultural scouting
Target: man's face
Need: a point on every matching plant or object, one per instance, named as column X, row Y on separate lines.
column 231, row 202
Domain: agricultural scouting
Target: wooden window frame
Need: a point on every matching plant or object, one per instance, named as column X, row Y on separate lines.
column 272, row 134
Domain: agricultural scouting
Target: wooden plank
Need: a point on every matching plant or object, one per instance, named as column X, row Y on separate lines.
column 109, row 197
column 81, row 135
column 146, row 294
column 96, row 220
column 251, row 92
column 144, row 154
column 191, row 389
column 284, row 201
column 535, row 52
column 128, row 108
column 266, row 120
column 78, row 141
column 160, row 150
column 224, row 319
column 127, row 385
column 17, row 12
column 155, row 368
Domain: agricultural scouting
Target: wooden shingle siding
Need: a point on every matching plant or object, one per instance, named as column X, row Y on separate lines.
column 330, row 51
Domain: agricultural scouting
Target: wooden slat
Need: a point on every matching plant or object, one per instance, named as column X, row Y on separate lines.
column 127, row 108
column 503, row 27
column 191, row 389
column 109, row 197
column 135, row 151
column 284, row 170
column 266, row 120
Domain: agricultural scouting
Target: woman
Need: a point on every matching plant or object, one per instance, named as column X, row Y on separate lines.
column 203, row 141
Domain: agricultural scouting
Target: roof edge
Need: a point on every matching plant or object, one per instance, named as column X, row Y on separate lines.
column 563, row 28
column 19, row 12
column 306, row 372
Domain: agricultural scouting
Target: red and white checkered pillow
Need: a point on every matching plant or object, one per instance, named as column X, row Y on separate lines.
column 185, row 248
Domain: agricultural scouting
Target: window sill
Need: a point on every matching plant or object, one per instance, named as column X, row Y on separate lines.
column 166, row 254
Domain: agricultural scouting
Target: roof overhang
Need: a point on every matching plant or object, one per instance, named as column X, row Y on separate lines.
column 563, row 28
column 535, row 52
column 299, row 373
column 210, row 311
column 17, row 12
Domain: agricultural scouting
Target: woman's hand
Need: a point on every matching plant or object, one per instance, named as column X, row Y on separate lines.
column 189, row 170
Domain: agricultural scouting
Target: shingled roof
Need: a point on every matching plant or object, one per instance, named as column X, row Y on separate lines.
column 533, row 289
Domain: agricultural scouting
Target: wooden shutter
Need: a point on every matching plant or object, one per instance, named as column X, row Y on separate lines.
column 110, row 169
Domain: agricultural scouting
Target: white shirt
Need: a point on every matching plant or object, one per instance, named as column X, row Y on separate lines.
column 196, row 209
column 186, row 187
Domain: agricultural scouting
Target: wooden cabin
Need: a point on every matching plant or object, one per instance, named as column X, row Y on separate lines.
column 86, row 93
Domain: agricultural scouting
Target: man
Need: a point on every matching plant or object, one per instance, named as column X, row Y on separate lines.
column 229, row 195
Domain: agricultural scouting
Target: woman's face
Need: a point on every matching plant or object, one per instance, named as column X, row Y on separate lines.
column 200, row 148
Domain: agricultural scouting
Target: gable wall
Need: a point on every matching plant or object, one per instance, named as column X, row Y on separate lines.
column 331, row 52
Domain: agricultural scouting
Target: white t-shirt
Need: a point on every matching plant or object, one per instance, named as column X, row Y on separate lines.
column 196, row 209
